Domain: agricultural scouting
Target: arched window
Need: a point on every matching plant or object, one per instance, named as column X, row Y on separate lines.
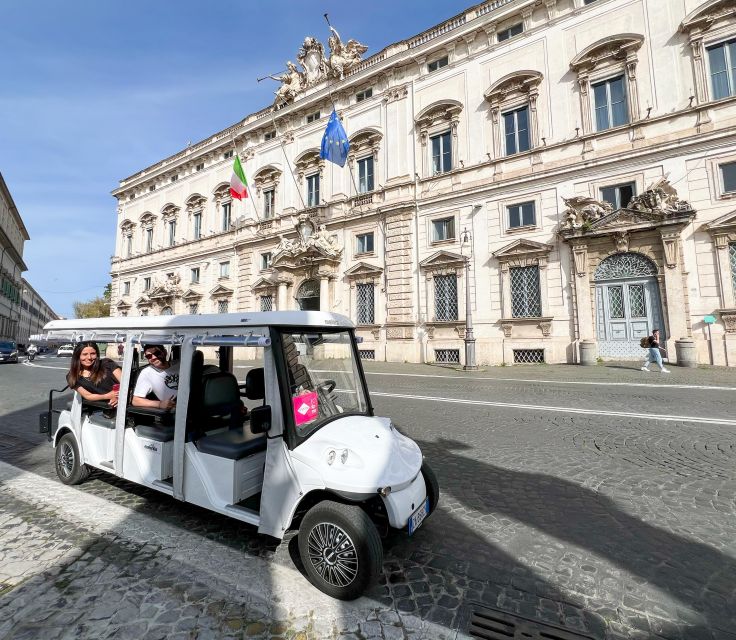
column 167, row 311
column 625, row 265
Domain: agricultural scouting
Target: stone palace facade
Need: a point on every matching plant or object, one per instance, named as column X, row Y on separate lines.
column 569, row 164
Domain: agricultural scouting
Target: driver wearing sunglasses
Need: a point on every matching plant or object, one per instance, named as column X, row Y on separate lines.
column 157, row 384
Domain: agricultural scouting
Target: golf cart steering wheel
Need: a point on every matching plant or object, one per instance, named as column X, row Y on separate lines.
column 327, row 386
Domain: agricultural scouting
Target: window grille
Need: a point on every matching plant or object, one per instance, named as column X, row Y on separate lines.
column 616, row 302
column 732, row 256
column 167, row 311
column 625, row 265
column 528, row 356
column 222, row 306
column 526, row 301
column 366, row 305
column 637, row 301
column 445, row 297
column 367, row 354
column 193, row 309
column 266, row 303
column 447, row 356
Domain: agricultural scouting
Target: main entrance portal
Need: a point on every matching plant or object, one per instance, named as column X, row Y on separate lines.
column 627, row 304
column 308, row 296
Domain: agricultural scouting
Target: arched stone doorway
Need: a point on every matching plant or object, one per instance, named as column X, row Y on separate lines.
column 627, row 304
column 308, row 295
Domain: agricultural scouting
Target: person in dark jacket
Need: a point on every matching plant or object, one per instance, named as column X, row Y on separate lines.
column 655, row 354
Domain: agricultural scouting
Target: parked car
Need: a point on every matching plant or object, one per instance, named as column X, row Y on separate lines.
column 65, row 350
column 8, row 351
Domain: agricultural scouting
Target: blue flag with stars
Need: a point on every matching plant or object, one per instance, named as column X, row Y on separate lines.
column 335, row 145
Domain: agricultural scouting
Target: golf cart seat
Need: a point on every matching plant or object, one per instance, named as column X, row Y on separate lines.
column 221, row 403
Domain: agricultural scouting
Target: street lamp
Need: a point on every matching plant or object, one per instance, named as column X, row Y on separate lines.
column 469, row 339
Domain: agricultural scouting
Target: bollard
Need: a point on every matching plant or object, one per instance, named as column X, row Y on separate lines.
column 588, row 352
column 687, row 355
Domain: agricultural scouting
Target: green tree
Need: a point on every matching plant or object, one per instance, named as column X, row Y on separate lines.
column 97, row 307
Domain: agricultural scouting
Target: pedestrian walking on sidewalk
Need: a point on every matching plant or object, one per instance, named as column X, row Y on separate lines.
column 654, row 354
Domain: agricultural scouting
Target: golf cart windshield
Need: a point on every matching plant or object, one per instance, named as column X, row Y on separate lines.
column 324, row 377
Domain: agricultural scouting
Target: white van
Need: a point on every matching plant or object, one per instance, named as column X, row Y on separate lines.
column 277, row 431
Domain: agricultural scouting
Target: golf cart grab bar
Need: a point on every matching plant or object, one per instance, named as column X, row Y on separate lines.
column 233, row 341
column 44, row 419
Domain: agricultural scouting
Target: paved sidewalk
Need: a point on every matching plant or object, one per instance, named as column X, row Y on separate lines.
column 82, row 567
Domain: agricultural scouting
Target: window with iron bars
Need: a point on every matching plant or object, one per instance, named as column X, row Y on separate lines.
column 367, row 354
column 222, row 306
column 445, row 297
column 267, row 303
column 447, row 356
column 732, row 257
column 528, row 356
column 366, row 307
column 526, row 301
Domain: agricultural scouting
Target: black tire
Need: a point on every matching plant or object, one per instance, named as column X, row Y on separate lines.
column 433, row 486
column 69, row 466
column 340, row 549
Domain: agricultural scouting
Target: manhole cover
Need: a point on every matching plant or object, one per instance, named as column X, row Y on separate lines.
column 493, row 624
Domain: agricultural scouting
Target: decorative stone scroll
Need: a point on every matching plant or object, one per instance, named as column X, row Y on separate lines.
column 582, row 211
column 310, row 239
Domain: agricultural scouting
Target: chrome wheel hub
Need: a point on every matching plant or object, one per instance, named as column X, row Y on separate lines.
column 66, row 459
column 333, row 554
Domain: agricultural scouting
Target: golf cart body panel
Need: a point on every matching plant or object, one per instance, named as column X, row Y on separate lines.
column 310, row 434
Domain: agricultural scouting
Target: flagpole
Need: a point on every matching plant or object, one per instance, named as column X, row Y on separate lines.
column 247, row 187
column 286, row 158
column 334, row 108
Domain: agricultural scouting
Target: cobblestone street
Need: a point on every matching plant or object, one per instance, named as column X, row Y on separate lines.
column 598, row 499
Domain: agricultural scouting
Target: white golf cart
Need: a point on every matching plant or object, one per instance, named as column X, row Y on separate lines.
column 308, row 455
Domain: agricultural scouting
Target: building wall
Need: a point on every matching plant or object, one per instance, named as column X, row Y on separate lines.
column 675, row 131
column 13, row 234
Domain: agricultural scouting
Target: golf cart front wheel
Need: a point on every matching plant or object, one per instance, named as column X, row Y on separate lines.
column 340, row 549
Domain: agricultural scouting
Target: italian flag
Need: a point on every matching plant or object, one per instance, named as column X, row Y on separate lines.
column 238, row 183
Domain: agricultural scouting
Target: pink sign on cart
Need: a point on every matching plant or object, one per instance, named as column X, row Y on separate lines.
column 305, row 407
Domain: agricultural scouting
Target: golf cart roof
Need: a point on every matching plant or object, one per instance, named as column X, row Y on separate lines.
column 85, row 328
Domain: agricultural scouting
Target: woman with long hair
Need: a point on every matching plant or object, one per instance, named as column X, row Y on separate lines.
column 95, row 378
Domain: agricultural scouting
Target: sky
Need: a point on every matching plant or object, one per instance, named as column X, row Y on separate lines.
column 93, row 91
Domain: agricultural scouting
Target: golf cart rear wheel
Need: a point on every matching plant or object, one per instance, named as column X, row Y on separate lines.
column 69, row 466
column 340, row 549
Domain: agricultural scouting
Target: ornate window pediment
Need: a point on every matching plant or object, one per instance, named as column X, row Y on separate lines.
column 191, row 294
column 724, row 224
column 266, row 177
column 143, row 301
column 122, row 304
column 710, row 14
column 221, row 291
column 522, row 253
column 443, row 261
column 609, row 51
column 443, row 112
column 519, row 84
column 147, row 220
column 127, row 226
column 363, row 270
column 264, row 285
column 309, row 162
column 194, row 202
column 365, row 141
column 169, row 211
column 221, row 192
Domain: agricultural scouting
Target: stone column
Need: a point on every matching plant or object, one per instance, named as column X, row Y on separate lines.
column 674, row 286
column 324, row 293
column 282, row 303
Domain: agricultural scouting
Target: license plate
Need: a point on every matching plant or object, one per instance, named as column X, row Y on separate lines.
column 416, row 518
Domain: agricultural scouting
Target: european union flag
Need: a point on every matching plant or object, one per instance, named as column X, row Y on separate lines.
column 335, row 145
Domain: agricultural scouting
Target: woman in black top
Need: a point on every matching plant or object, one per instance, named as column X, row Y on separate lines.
column 93, row 377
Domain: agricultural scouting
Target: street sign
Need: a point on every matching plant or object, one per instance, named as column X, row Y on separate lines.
column 709, row 319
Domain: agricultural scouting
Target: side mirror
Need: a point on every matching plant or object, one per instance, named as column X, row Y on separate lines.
column 260, row 419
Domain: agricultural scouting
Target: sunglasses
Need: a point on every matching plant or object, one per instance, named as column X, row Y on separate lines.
column 153, row 354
